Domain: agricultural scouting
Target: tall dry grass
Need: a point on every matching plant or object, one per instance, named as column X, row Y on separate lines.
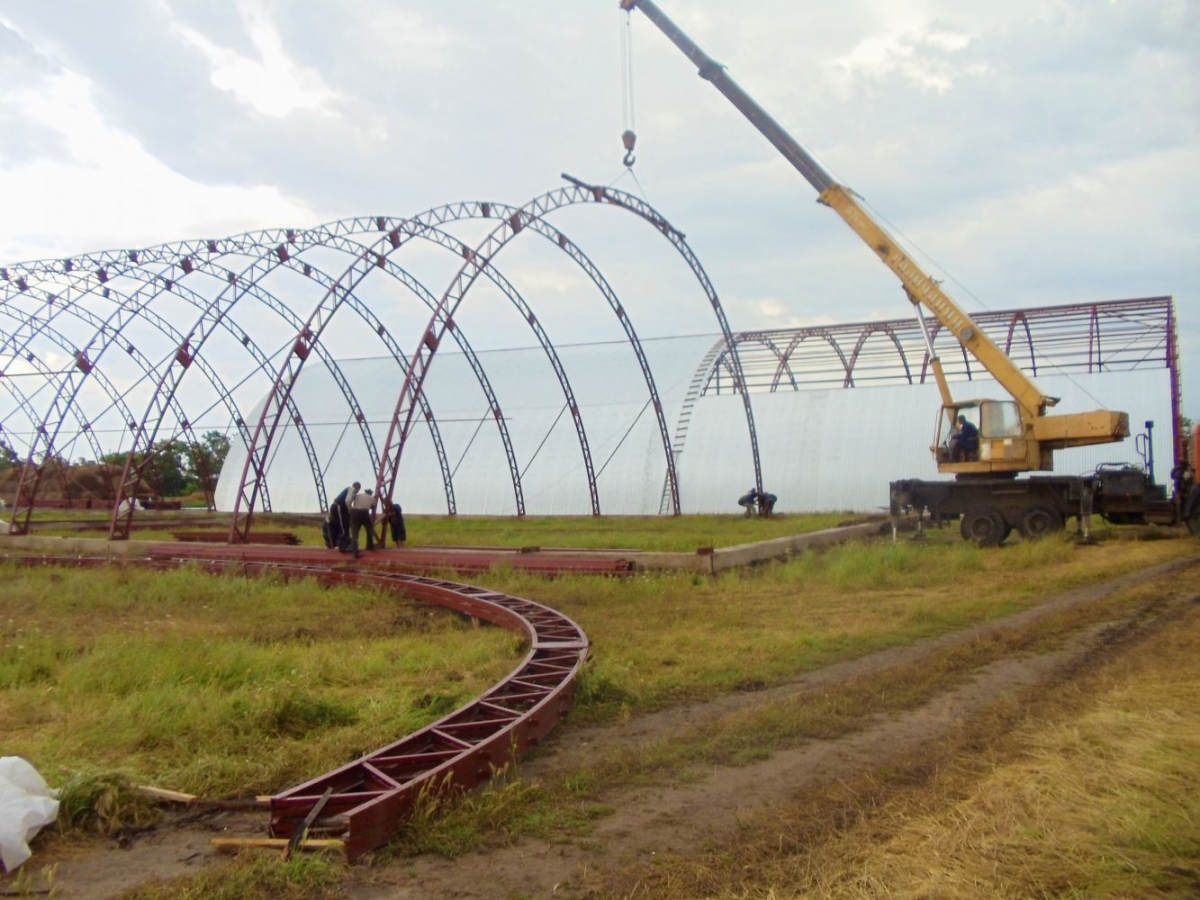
column 1090, row 792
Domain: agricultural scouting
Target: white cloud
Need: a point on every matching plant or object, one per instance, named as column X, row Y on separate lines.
column 110, row 191
column 271, row 84
column 918, row 53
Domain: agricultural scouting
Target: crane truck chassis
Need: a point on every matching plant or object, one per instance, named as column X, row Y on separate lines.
column 989, row 509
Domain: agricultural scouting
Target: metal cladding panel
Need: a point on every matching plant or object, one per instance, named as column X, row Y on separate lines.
column 821, row 450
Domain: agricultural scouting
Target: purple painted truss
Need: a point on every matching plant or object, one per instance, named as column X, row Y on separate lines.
column 104, row 310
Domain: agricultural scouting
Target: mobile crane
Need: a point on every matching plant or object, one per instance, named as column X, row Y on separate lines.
column 1009, row 437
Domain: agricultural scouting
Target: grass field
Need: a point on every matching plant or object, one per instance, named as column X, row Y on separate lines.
column 668, row 534
column 231, row 687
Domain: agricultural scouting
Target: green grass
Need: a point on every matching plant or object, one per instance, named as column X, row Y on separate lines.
column 665, row 638
column 218, row 685
column 684, row 534
column 254, row 877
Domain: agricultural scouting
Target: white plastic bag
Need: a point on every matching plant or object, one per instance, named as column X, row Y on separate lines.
column 26, row 805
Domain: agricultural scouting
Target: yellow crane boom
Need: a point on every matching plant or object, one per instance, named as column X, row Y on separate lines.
column 1012, row 448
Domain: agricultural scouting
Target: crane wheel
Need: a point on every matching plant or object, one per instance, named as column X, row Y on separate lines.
column 1039, row 521
column 985, row 526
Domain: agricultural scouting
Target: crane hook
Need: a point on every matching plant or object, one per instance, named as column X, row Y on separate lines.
column 629, row 139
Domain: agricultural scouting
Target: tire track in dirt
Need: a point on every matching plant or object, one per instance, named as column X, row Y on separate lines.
column 705, row 812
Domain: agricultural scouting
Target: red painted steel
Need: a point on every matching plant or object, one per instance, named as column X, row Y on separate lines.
column 370, row 799
column 373, row 795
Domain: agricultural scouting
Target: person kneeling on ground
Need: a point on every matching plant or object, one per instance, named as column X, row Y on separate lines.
column 766, row 503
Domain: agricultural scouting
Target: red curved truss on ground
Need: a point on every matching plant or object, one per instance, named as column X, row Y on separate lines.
column 370, row 798
column 367, row 801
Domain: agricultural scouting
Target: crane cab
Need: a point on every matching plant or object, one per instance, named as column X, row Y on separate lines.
column 984, row 437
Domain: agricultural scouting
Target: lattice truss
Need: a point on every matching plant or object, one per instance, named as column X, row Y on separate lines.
column 126, row 348
column 1106, row 336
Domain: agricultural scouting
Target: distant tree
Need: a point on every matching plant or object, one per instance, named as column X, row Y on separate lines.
column 8, row 456
column 169, row 469
column 210, row 455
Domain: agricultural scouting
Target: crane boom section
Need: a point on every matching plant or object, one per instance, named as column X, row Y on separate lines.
column 920, row 286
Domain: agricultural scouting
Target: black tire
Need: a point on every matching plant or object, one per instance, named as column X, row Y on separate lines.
column 1040, row 521
column 985, row 526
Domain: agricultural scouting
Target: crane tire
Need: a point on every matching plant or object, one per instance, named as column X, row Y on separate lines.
column 1039, row 521
column 985, row 526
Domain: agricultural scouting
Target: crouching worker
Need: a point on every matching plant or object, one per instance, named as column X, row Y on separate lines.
column 766, row 503
column 748, row 500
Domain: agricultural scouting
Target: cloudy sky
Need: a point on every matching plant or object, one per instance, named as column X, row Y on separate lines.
column 1038, row 151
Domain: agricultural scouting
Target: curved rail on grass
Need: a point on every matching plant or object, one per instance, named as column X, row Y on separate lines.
column 370, row 799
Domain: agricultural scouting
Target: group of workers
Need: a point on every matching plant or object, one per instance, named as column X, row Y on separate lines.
column 352, row 511
column 764, row 502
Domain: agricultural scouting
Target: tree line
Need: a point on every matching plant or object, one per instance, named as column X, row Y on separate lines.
column 176, row 467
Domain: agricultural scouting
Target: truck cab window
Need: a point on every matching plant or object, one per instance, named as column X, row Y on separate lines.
column 1001, row 419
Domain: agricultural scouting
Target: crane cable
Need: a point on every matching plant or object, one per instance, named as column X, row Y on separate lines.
column 629, row 136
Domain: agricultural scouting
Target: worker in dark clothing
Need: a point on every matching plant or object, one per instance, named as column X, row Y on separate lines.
column 337, row 522
column 766, row 503
column 346, row 496
column 964, row 443
column 748, row 500
column 396, row 521
column 361, row 509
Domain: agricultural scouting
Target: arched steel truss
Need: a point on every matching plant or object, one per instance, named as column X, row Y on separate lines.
column 20, row 349
column 1110, row 335
column 132, row 280
column 475, row 261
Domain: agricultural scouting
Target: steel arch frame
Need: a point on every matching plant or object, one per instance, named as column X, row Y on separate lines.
column 799, row 339
column 290, row 372
column 442, row 320
column 105, row 385
column 26, row 406
column 325, row 236
column 147, row 367
column 403, row 230
column 190, row 256
column 750, row 337
column 73, row 306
